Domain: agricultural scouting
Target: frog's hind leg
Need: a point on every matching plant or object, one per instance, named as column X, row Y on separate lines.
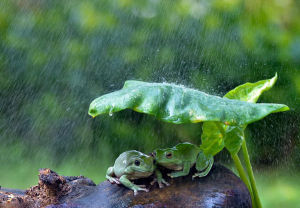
column 110, row 174
column 126, row 182
column 159, row 179
column 203, row 165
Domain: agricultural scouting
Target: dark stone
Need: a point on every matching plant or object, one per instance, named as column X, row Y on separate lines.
column 221, row 188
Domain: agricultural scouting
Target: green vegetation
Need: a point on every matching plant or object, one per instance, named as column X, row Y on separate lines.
column 56, row 56
column 279, row 189
column 224, row 119
column 177, row 104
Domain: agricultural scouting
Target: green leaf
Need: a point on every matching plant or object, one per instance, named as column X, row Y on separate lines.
column 178, row 104
column 234, row 138
column 212, row 138
column 250, row 92
column 216, row 135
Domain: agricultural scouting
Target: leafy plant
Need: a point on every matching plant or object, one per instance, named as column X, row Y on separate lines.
column 216, row 135
column 224, row 118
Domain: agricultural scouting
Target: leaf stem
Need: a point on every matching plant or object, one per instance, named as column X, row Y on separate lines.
column 243, row 176
column 250, row 174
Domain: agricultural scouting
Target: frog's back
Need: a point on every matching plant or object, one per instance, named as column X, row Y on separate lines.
column 187, row 146
column 190, row 151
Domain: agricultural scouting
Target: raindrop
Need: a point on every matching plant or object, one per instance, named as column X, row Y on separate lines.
column 110, row 112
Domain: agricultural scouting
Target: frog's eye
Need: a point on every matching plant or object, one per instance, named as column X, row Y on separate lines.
column 169, row 155
column 137, row 163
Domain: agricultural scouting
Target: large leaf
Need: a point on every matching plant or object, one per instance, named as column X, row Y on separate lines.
column 178, row 104
column 216, row 135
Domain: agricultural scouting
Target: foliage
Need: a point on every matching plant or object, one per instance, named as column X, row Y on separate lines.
column 280, row 189
column 56, row 56
column 218, row 135
column 226, row 119
column 178, row 104
column 232, row 137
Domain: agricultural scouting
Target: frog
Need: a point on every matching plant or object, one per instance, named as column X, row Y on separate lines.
column 131, row 165
column 182, row 157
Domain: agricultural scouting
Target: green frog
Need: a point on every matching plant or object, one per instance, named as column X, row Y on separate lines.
column 182, row 157
column 131, row 165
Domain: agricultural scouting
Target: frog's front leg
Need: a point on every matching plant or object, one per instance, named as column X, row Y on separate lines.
column 203, row 165
column 126, row 182
column 110, row 174
column 185, row 171
column 159, row 179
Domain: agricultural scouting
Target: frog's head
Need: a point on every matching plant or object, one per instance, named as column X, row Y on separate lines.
column 169, row 158
column 141, row 164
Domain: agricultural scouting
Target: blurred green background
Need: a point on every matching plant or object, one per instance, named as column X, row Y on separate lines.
column 57, row 56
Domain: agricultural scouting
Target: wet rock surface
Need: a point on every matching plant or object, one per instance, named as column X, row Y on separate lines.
column 221, row 188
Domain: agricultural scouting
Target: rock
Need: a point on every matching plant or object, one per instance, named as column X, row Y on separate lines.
column 221, row 188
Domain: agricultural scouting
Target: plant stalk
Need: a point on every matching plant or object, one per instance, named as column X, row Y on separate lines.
column 250, row 174
column 243, row 176
column 241, row 170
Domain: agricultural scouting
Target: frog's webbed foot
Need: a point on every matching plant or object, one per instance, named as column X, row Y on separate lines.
column 160, row 182
column 110, row 176
column 126, row 182
column 114, row 180
column 163, row 181
column 202, row 174
column 159, row 179
column 137, row 188
column 153, row 181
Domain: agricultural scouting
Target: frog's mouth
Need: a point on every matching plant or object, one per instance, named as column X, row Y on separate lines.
column 172, row 166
